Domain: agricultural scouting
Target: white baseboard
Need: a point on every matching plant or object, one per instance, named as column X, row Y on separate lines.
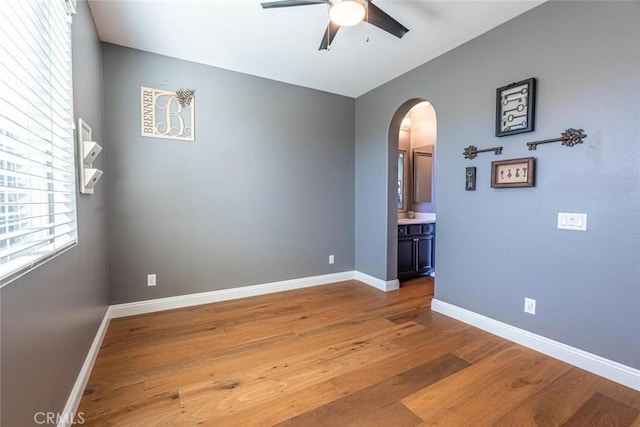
column 180, row 301
column 383, row 285
column 77, row 391
column 598, row 365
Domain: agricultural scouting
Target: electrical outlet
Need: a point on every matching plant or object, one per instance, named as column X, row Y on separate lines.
column 151, row 279
column 331, row 259
column 530, row 306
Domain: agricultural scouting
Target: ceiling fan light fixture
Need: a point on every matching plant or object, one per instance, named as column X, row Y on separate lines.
column 347, row 13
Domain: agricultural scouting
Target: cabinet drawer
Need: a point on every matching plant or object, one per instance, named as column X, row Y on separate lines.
column 428, row 228
column 414, row 229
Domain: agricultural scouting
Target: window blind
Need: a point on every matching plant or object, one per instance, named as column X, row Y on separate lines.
column 37, row 161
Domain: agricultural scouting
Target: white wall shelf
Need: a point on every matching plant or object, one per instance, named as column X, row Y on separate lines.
column 88, row 150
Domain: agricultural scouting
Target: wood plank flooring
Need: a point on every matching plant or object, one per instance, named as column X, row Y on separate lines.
column 336, row 355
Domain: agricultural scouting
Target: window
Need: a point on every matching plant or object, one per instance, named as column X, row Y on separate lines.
column 37, row 161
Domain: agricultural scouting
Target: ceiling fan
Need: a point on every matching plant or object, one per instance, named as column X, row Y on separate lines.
column 345, row 13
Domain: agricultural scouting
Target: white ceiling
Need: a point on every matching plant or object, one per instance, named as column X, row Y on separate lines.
column 282, row 44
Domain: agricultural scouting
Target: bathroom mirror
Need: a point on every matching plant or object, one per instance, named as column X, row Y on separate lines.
column 402, row 180
column 422, row 173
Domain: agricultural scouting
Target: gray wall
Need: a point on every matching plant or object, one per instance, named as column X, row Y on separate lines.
column 265, row 193
column 50, row 315
column 497, row 246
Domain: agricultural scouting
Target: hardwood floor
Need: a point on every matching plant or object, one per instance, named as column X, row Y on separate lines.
column 336, row 355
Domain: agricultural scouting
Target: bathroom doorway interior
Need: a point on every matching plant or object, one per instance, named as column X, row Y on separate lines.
column 413, row 142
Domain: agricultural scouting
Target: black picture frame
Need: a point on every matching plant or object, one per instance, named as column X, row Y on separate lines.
column 516, row 107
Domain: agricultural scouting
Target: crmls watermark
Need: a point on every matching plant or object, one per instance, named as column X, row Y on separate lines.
column 55, row 418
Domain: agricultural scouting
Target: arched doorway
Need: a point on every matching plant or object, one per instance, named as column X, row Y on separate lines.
column 412, row 144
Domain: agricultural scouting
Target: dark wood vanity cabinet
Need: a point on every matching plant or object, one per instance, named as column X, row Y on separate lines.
column 416, row 250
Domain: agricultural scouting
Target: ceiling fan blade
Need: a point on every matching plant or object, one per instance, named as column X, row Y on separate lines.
column 329, row 34
column 380, row 19
column 290, row 3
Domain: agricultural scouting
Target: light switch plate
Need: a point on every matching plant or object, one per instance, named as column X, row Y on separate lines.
column 572, row 221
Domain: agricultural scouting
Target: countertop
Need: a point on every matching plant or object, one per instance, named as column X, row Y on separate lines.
column 424, row 218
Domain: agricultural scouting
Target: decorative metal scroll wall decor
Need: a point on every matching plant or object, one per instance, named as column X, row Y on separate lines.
column 184, row 97
column 471, row 152
column 569, row 137
column 166, row 114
